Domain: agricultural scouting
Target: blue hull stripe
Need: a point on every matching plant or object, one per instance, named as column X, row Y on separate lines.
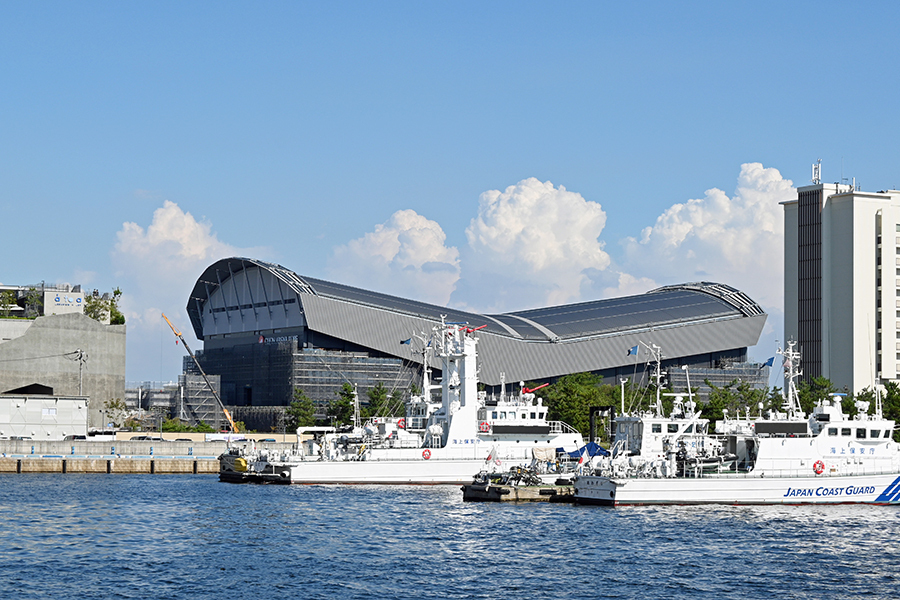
column 891, row 493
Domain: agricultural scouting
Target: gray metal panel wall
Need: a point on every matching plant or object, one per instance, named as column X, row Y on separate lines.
column 528, row 360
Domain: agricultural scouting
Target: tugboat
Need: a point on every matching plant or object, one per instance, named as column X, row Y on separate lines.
column 778, row 458
column 446, row 442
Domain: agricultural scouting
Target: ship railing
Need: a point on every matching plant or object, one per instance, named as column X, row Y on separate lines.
column 559, row 427
column 637, row 472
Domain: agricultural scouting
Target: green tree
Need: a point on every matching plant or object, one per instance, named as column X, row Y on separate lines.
column 203, row 427
column 301, row 411
column 33, row 303
column 571, row 398
column 115, row 315
column 810, row 392
column 116, row 411
column 100, row 308
column 890, row 403
column 719, row 400
column 174, row 425
column 383, row 403
column 7, row 301
column 340, row 410
column 378, row 401
column 773, row 401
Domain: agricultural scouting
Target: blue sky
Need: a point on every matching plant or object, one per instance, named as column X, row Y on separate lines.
column 492, row 156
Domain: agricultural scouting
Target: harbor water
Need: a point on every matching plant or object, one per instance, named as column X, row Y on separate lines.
column 178, row 536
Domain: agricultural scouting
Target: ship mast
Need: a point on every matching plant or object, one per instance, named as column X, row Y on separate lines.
column 791, row 373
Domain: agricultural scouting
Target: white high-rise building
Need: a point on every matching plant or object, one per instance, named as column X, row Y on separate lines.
column 842, row 282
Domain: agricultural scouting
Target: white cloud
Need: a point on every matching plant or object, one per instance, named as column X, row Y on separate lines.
column 405, row 256
column 531, row 245
column 156, row 268
column 736, row 240
column 629, row 285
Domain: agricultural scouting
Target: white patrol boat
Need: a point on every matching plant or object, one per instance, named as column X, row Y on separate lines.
column 446, row 442
column 784, row 458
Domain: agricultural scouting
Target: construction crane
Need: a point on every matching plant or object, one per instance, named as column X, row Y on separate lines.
column 177, row 333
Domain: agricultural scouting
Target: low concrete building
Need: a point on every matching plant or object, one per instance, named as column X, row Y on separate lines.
column 42, row 418
column 69, row 354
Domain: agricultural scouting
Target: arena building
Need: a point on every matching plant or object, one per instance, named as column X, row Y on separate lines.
column 266, row 331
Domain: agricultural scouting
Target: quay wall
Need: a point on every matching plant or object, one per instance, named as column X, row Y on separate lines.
column 49, row 464
column 115, row 456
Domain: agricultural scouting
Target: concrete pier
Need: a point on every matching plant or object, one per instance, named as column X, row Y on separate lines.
column 115, row 456
column 143, row 465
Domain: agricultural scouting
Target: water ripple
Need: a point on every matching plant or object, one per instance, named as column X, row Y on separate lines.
column 191, row 537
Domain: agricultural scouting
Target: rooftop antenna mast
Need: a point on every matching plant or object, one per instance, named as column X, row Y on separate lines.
column 817, row 172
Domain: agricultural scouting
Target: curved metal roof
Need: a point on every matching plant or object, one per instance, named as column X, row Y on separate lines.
column 668, row 305
column 689, row 319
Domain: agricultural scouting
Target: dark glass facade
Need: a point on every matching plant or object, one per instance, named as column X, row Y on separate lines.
column 809, row 309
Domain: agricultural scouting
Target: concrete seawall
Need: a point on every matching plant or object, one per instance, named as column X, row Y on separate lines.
column 144, row 457
column 50, row 464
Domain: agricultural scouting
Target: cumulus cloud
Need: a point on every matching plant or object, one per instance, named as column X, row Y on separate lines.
column 156, row 268
column 628, row 285
column 531, row 244
column 405, row 256
column 738, row 240
column 170, row 253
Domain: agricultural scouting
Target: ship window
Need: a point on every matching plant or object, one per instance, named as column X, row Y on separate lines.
column 672, row 428
column 874, row 433
column 845, row 431
column 494, row 415
column 533, row 415
column 690, row 429
column 503, row 416
column 887, row 433
column 860, row 434
column 657, row 428
column 832, row 431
